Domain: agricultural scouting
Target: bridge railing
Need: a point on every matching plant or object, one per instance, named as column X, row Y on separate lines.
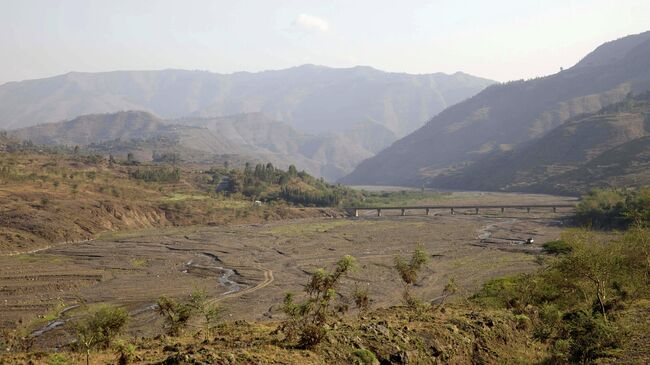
column 354, row 211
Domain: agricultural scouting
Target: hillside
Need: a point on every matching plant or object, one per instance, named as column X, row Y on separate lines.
column 50, row 197
column 330, row 155
column 627, row 165
column 310, row 98
column 502, row 117
column 252, row 137
column 595, row 150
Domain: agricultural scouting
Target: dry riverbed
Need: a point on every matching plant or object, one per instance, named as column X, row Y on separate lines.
column 248, row 268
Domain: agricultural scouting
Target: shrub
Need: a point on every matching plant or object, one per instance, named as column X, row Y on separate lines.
column 100, row 328
column 212, row 314
column 364, row 357
column 450, row 289
column 409, row 270
column 308, row 321
column 107, row 322
column 361, row 299
column 558, row 247
column 523, row 322
column 125, row 352
column 572, row 303
column 589, row 337
column 177, row 314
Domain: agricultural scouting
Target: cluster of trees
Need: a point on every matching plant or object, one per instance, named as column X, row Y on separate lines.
column 614, row 208
column 573, row 304
column 162, row 174
column 166, row 157
column 319, row 198
column 268, row 183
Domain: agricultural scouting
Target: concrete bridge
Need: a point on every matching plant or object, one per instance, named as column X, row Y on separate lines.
column 354, row 211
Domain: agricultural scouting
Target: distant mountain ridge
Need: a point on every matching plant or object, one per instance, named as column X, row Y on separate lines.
column 252, row 136
column 503, row 117
column 313, row 99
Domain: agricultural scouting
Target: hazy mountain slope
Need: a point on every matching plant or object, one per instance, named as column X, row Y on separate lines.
column 504, row 116
column 540, row 164
column 613, row 51
column 252, row 136
column 330, row 155
column 255, row 130
column 130, row 125
column 310, row 98
column 94, row 128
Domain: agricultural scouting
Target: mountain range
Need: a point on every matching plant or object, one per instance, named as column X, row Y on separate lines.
column 241, row 137
column 324, row 120
column 313, row 99
column 502, row 119
column 584, row 127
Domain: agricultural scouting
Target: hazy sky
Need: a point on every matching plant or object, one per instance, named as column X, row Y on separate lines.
column 498, row 39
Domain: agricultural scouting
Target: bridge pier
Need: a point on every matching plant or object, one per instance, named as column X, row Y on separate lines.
column 476, row 211
column 427, row 210
column 502, row 210
column 378, row 212
column 452, row 211
column 403, row 212
column 527, row 209
column 554, row 209
column 356, row 212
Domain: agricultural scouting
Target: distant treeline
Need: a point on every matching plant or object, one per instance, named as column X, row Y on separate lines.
column 162, row 174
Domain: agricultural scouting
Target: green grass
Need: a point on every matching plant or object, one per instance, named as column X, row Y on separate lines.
column 138, row 263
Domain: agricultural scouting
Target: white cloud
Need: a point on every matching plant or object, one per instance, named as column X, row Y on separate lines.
column 310, row 23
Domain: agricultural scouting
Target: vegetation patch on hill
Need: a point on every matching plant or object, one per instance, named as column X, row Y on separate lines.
column 57, row 195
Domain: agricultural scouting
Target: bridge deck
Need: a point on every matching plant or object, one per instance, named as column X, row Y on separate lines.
column 427, row 208
column 493, row 206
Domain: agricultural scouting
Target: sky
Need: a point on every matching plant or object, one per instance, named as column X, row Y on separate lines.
column 497, row 39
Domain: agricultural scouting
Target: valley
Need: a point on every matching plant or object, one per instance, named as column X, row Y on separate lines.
column 248, row 268
column 213, row 182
